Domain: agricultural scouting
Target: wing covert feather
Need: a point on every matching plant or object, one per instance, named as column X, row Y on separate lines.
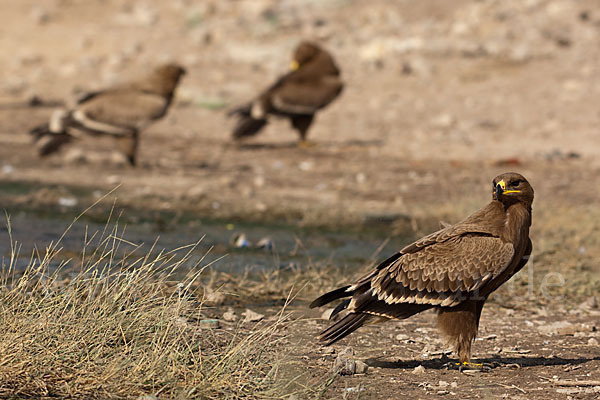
column 444, row 272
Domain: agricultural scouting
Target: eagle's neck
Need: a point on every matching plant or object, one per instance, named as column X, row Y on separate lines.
column 516, row 224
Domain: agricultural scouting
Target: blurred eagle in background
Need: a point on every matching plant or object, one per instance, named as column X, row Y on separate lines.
column 121, row 112
column 313, row 82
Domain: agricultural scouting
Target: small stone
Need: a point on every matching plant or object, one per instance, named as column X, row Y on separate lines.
column 361, row 367
column 344, row 366
column 252, row 316
column 443, row 121
column 454, row 385
column 419, row 370
column 306, row 165
column 7, row 169
column 259, row 181
column 214, row 298
column 67, row 201
column 593, row 342
column 40, row 16
column 443, row 384
column 230, row 316
column 401, row 336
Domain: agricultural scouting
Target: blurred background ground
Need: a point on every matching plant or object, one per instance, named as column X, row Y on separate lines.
column 440, row 97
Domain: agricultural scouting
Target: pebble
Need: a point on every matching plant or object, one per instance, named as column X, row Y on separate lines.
column 306, row 165
column 214, row 298
column 443, row 121
column 67, row 201
column 252, row 316
column 344, row 365
column 7, row 169
column 230, row 316
column 593, row 342
column 419, row 370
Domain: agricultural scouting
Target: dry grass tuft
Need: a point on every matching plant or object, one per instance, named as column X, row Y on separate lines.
column 122, row 328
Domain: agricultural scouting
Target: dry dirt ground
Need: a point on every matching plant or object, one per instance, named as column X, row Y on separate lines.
column 440, row 97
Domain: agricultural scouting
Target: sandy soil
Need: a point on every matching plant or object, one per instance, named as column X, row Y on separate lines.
column 439, row 98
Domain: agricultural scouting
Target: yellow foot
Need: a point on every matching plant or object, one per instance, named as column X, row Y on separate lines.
column 305, row 144
column 469, row 366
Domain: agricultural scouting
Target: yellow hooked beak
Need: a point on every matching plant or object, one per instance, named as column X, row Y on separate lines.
column 501, row 188
column 294, row 65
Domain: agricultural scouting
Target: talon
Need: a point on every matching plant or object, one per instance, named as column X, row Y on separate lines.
column 452, row 365
column 469, row 366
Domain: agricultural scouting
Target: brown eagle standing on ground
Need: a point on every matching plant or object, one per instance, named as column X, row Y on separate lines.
column 121, row 112
column 313, row 83
column 453, row 271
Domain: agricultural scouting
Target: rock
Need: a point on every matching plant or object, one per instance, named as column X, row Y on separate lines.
column 401, row 336
column 419, row 370
column 251, row 316
column 593, row 342
column 214, row 298
column 259, row 181
column 67, row 201
column 7, row 169
column 443, row 121
column 443, row 384
column 230, row 316
column 344, row 365
column 40, row 16
column 306, row 165
column 416, row 66
column 558, row 327
column 361, row 367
